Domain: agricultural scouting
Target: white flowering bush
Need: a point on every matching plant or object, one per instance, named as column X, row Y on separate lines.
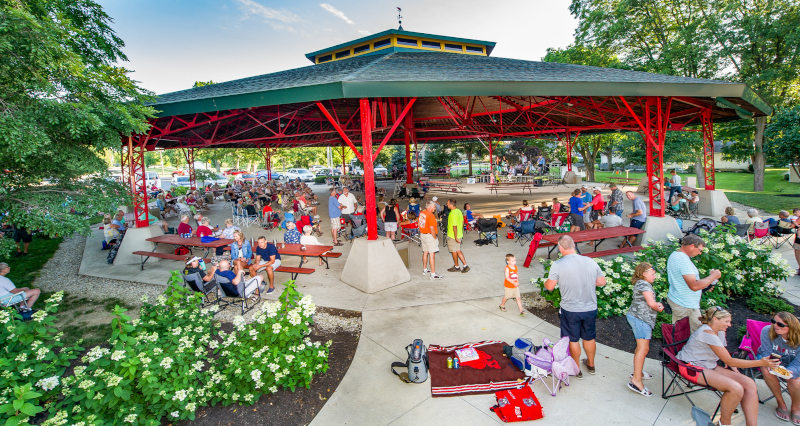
column 32, row 361
column 274, row 351
column 748, row 269
column 169, row 362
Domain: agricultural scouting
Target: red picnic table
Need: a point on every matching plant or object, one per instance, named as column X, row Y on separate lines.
column 176, row 241
column 323, row 252
column 598, row 236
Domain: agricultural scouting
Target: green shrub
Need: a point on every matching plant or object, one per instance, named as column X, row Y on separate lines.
column 319, row 179
column 160, row 365
column 747, row 270
column 740, row 332
column 181, row 190
column 661, row 318
column 768, row 305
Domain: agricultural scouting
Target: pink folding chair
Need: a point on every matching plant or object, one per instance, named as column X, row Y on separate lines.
column 748, row 349
column 554, row 361
column 760, row 232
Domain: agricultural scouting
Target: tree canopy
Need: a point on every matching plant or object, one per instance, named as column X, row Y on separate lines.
column 63, row 101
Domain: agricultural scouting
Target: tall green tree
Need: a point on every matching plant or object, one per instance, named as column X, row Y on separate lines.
column 63, row 102
column 745, row 40
column 783, row 136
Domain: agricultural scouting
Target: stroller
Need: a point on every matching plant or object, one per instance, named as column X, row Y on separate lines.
column 554, row 361
column 704, row 224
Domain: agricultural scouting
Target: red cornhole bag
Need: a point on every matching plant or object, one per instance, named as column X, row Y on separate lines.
column 182, row 251
column 517, row 405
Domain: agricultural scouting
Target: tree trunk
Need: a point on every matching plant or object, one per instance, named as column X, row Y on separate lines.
column 589, row 163
column 700, row 171
column 610, row 155
column 469, row 161
column 758, row 160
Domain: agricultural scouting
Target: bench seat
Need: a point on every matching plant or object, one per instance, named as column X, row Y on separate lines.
column 294, row 271
column 331, row 254
column 170, row 256
column 613, row 251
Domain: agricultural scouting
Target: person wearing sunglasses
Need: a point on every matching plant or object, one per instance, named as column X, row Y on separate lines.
column 642, row 319
column 783, row 338
column 705, row 348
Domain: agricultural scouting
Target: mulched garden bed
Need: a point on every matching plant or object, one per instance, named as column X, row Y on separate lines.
column 616, row 332
column 286, row 407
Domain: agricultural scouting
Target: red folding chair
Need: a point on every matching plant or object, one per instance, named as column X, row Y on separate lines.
column 683, row 376
column 532, row 249
column 467, row 226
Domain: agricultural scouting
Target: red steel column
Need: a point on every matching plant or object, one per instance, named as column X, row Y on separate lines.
column 708, row 149
column 369, row 177
column 344, row 167
column 409, row 128
column 491, row 163
column 569, row 151
column 137, row 182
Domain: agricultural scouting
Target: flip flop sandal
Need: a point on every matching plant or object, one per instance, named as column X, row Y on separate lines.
column 795, row 419
column 643, row 392
column 645, row 375
column 502, row 309
column 783, row 414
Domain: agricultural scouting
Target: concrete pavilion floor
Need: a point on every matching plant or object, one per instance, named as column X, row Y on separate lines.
column 459, row 308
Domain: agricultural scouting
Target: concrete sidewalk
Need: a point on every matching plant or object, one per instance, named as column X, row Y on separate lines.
column 371, row 395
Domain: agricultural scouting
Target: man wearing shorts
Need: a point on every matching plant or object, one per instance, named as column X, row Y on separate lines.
column 23, row 239
column 251, row 286
column 577, row 278
column 576, row 211
column 7, row 287
column 335, row 213
column 348, row 202
column 455, row 232
column 267, row 257
column 638, row 216
column 428, row 239
column 685, row 285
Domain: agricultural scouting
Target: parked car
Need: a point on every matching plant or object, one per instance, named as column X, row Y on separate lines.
column 221, row 180
column 330, row 172
column 233, row 172
column 315, row 168
column 245, row 177
column 178, row 173
column 380, row 170
column 181, row 181
column 463, row 163
column 303, row 174
column 262, row 175
column 152, row 178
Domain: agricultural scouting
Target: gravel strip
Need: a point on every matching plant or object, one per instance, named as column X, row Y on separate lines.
column 326, row 323
column 61, row 273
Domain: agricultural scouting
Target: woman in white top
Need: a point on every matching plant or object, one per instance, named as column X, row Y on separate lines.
column 705, row 347
column 524, row 213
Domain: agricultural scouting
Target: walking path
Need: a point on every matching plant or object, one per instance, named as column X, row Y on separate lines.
column 457, row 309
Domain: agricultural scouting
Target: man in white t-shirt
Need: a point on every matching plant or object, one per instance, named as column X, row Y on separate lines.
column 6, row 287
column 348, row 202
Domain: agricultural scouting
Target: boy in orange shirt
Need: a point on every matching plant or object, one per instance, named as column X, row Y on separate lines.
column 511, row 284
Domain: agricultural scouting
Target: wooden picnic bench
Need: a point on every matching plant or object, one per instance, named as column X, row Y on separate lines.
column 148, row 254
column 323, row 252
column 623, row 180
column 497, row 186
column 445, row 186
column 189, row 243
column 294, row 271
column 598, row 236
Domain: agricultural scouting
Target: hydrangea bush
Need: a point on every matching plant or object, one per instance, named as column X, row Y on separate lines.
column 748, row 268
column 169, row 362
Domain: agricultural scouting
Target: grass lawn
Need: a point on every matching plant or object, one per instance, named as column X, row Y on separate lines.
column 739, row 188
column 25, row 269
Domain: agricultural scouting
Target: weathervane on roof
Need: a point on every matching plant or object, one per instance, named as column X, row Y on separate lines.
column 399, row 19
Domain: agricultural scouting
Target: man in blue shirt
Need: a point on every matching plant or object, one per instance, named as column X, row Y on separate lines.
column 638, row 216
column 541, row 164
column 335, row 213
column 685, row 285
column 267, row 257
column 576, row 209
column 586, row 197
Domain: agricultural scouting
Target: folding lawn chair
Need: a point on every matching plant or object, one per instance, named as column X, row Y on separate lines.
column 525, row 231
column 748, row 349
column 194, row 282
column 554, row 362
column 760, row 232
column 249, row 218
column 487, row 229
column 741, row 230
column 693, row 210
column 782, row 233
column 411, row 232
column 682, row 375
column 557, row 220
column 232, row 294
column 18, row 300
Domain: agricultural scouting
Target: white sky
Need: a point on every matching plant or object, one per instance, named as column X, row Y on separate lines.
column 173, row 43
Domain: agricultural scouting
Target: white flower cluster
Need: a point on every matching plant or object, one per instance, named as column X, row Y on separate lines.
column 276, row 328
column 39, row 316
column 58, row 420
column 41, row 353
column 94, row 354
column 294, row 316
column 308, row 307
column 166, row 363
column 5, row 316
column 180, row 395
column 48, row 383
column 239, row 323
column 118, row 355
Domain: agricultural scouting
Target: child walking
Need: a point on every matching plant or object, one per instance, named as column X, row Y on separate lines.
column 642, row 319
column 511, row 284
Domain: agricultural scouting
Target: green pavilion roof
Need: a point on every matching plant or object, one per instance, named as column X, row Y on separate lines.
column 431, row 74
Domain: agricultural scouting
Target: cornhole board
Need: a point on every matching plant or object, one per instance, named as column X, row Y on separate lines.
column 472, row 381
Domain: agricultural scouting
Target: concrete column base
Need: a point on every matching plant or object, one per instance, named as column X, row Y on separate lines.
column 657, row 229
column 572, row 178
column 135, row 240
column 373, row 266
column 713, row 203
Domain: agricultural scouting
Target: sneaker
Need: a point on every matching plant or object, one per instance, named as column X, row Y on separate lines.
column 585, row 362
column 465, row 269
column 435, row 276
column 579, row 376
column 18, row 254
column 454, row 269
column 425, row 272
column 270, row 290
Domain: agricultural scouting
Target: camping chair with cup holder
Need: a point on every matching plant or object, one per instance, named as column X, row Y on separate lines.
column 781, row 234
column 18, row 300
column 196, row 284
column 681, row 375
column 748, row 349
column 760, row 232
column 236, row 294
column 487, row 230
column 741, row 230
column 525, row 231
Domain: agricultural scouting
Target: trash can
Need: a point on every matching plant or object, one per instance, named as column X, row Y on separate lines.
column 402, row 250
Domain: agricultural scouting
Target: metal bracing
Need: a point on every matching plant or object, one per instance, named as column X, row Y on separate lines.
column 133, row 176
column 708, row 149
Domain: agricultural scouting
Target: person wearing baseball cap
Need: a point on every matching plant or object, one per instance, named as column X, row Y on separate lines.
column 193, row 266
